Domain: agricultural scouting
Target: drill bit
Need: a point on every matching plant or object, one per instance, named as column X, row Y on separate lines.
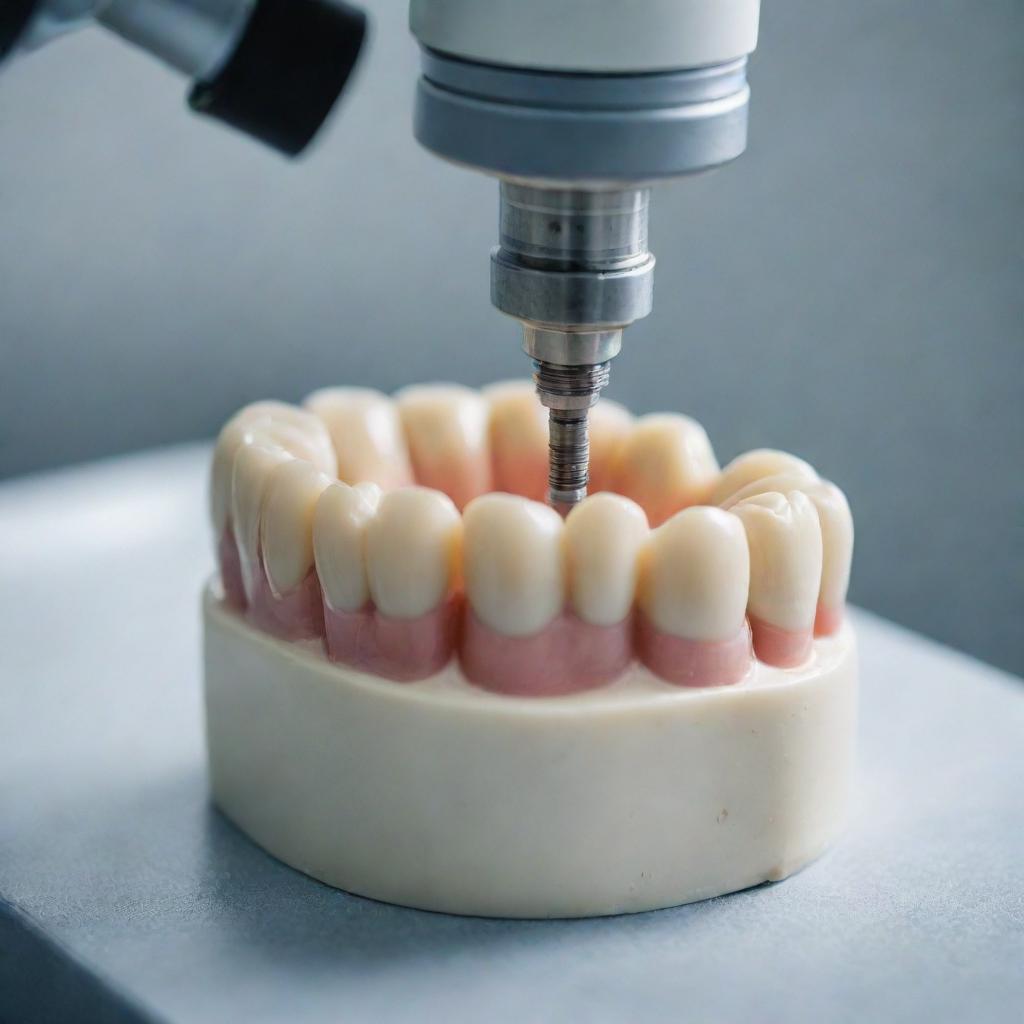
column 569, row 392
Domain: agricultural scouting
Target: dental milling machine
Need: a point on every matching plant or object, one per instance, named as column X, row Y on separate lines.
column 576, row 106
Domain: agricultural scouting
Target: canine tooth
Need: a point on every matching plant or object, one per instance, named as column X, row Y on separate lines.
column 445, row 429
column 286, row 532
column 339, row 543
column 518, row 437
column 696, row 575
column 412, row 550
column 367, row 434
column 253, row 467
column 272, row 423
column 609, row 424
column 836, row 524
column 603, row 538
column 785, row 573
column 755, row 465
column 666, row 463
column 513, row 563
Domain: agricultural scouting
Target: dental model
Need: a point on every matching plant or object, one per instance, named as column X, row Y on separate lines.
column 424, row 686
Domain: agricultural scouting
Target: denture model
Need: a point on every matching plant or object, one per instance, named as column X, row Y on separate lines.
column 424, row 686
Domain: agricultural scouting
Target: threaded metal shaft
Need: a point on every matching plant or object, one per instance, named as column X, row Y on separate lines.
column 568, row 392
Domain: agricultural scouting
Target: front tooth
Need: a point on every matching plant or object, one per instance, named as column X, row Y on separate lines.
column 286, row 532
column 603, row 538
column 518, row 436
column 367, row 434
column 755, row 465
column 253, row 467
column 445, row 428
column 837, row 553
column 608, row 425
column 339, row 543
column 513, row 562
column 696, row 575
column 666, row 464
column 785, row 573
column 412, row 551
column 271, row 423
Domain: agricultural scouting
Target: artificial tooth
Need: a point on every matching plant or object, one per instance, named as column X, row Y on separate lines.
column 666, row 463
column 696, row 575
column 836, row 524
column 272, row 423
column 785, row 573
column 755, row 465
column 445, row 428
column 513, row 563
column 608, row 425
column 339, row 543
column 781, row 483
column 253, row 467
column 603, row 538
column 412, row 551
column 286, row 531
column 367, row 434
column 518, row 437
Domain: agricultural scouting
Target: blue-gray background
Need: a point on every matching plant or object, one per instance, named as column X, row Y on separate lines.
column 851, row 289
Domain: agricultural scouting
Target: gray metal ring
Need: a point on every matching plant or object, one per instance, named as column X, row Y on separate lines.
column 574, row 128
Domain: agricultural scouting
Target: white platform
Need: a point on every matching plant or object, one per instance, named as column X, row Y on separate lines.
column 119, row 885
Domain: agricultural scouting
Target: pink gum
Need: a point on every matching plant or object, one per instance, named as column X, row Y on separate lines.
column 783, row 648
column 693, row 662
column 828, row 620
column 566, row 656
column 400, row 649
column 296, row 615
column 230, row 569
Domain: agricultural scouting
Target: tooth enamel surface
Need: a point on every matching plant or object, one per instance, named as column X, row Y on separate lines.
column 513, row 563
column 666, row 463
column 756, row 465
column 271, row 423
column 518, row 437
column 412, row 551
column 445, row 428
column 836, row 523
column 696, row 574
column 785, row 558
column 367, row 434
column 609, row 425
column 781, row 483
column 253, row 466
column 286, row 530
column 339, row 543
column 603, row 538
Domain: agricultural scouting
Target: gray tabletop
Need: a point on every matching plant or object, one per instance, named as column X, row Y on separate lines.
column 126, row 897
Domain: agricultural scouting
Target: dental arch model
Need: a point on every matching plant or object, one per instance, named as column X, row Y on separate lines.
column 424, row 686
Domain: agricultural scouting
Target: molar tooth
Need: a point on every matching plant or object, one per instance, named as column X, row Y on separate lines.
column 513, row 563
column 367, row 434
column 253, row 466
column 412, row 551
column 609, row 425
column 518, row 436
column 785, row 573
column 696, row 575
column 755, row 465
column 445, row 428
column 781, row 483
column 836, row 524
column 665, row 464
column 339, row 543
column 272, row 423
column 603, row 538
column 286, row 533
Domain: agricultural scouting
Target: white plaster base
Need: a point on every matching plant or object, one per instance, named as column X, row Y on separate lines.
column 440, row 796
